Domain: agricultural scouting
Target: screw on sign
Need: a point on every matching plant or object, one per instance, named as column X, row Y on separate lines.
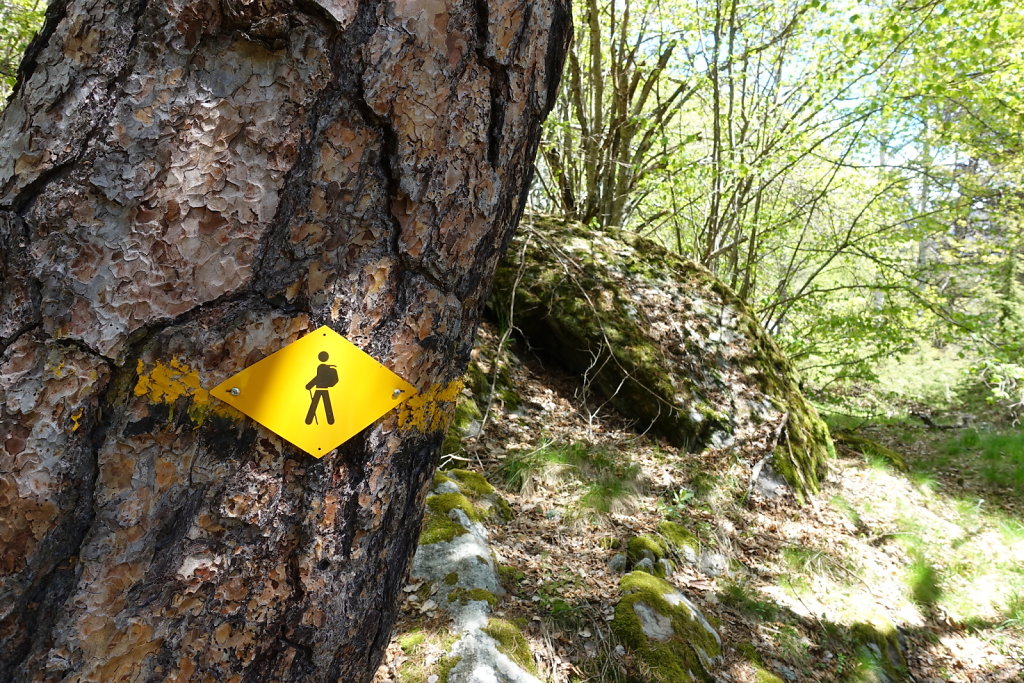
column 273, row 391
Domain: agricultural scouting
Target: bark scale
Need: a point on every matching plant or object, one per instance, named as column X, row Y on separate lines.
column 184, row 188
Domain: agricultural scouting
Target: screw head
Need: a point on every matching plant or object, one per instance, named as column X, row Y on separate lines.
column 235, row 391
column 396, row 393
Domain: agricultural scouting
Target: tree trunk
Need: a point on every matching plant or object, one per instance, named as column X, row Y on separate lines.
column 186, row 187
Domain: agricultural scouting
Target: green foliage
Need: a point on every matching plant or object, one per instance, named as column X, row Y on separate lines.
column 411, row 642
column 19, row 21
column 923, row 580
column 853, row 174
column 1001, row 455
column 1015, row 610
column 675, row 503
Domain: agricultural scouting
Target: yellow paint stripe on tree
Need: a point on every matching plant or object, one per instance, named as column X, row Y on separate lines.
column 430, row 410
column 167, row 382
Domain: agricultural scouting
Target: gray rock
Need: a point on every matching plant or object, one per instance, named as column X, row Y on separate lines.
column 480, row 661
column 666, row 566
column 665, row 615
column 767, row 482
column 713, row 564
column 689, row 554
column 618, row 563
column 786, row 672
column 656, row 626
column 645, row 565
column 446, row 487
column 676, row 599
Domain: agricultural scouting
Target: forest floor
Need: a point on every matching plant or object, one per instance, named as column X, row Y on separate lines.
column 928, row 548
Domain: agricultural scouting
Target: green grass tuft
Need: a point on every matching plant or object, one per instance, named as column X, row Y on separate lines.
column 1001, row 455
column 742, row 597
column 609, row 485
column 411, row 641
column 923, row 580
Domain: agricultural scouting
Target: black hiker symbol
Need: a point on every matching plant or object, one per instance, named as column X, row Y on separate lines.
column 326, row 377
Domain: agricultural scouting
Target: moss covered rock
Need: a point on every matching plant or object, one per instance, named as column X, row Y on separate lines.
column 467, row 492
column 676, row 535
column 511, row 642
column 489, row 375
column 644, row 545
column 879, row 643
column 665, row 631
column 460, row 577
column 661, row 339
column 647, row 553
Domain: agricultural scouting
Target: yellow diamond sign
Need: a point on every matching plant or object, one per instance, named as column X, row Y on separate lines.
column 317, row 392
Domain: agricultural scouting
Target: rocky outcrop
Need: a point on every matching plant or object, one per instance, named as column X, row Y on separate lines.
column 660, row 339
column 455, row 564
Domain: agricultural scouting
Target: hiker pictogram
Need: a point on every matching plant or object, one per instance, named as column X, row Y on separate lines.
column 326, row 377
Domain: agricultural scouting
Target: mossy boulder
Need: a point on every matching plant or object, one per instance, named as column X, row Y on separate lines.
column 454, row 558
column 438, row 524
column 460, row 577
column 665, row 631
column 450, row 494
column 647, row 553
column 657, row 554
column 659, row 338
column 644, row 545
column 466, row 491
column 677, row 536
column 489, row 385
column 489, row 375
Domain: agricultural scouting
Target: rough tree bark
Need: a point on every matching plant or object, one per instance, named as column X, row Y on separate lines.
column 185, row 187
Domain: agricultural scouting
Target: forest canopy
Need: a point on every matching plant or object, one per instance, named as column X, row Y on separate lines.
column 853, row 170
